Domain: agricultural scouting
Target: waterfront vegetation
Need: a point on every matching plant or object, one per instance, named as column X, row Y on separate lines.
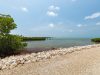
column 12, row 44
column 9, row 44
column 96, row 40
column 34, row 38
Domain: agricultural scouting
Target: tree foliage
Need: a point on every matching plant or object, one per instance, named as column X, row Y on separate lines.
column 6, row 24
column 9, row 44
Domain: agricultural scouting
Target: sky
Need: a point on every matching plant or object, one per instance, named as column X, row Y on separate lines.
column 54, row 18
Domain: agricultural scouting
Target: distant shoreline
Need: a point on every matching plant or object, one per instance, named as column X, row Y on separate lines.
column 35, row 38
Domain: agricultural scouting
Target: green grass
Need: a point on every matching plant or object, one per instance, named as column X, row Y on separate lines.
column 95, row 40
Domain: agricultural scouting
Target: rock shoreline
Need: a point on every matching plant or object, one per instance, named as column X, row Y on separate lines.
column 13, row 61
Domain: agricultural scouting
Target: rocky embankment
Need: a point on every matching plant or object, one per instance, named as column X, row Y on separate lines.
column 13, row 61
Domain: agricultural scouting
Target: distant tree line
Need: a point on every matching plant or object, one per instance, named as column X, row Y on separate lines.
column 96, row 40
column 34, row 38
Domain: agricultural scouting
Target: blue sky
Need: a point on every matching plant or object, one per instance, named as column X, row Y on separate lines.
column 54, row 18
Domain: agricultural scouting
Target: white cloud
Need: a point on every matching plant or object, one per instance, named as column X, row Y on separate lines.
column 24, row 9
column 74, row 0
column 98, row 23
column 93, row 16
column 51, row 25
column 53, row 8
column 51, row 13
column 79, row 25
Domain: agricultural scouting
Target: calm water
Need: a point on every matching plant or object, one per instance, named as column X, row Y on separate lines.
column 59, row 43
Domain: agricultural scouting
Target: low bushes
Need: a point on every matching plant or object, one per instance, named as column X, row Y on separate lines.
column 10, row 44
column 95, row 40
column 33, row 38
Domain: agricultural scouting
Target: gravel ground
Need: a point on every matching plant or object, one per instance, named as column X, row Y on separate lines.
column 85, row 62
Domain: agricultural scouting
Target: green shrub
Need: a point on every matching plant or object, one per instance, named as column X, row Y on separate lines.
column 96, row 40
column 9, row 44
column 33, row 38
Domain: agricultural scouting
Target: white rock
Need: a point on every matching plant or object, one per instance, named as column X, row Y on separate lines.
column 13, row 61
column 4, row 67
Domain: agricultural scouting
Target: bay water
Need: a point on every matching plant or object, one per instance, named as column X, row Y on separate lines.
column 59, row 43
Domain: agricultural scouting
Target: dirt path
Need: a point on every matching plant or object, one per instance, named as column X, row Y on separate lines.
column 86, row 62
